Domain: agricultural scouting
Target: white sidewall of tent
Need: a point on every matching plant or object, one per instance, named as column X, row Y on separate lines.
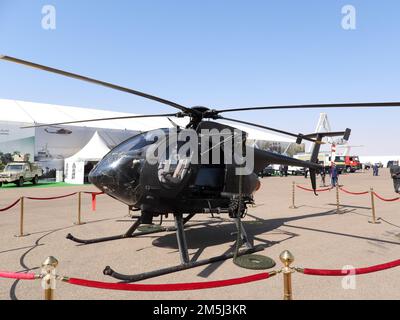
column 74, row 171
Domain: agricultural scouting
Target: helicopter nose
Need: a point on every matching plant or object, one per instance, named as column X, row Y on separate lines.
column 106, row 176
column 118, row 176
column 100, row 178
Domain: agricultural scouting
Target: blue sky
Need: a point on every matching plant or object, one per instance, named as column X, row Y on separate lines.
column 214, row 53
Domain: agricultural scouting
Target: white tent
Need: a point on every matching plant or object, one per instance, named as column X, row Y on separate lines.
column 41, row 113
column 94, row 151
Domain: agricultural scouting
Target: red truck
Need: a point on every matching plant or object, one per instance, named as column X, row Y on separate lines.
column 348, row 163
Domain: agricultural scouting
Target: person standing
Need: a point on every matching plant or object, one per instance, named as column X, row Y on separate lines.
column 334, row 175
column 395, row 173
column 281, row 170
column 285, row 170
column 323, row 176
column 375, row 168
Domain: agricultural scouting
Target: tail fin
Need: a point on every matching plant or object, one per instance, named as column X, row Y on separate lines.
column 317, row 146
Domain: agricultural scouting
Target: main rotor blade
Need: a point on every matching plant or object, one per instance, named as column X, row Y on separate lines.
column 269, row 128
column 98, row 82
column 318, row 106
column 101, row 119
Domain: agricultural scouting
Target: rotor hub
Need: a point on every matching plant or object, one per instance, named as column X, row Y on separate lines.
column 201, row 109
column 205, row 113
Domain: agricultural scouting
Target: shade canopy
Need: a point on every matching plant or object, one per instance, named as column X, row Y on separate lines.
column 41, row 113
column 94, row 150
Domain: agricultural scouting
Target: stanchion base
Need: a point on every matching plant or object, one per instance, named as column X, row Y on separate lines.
column 254, row 262
column 79, row 224
column 21, row 235
column 374, row 222
column 293, row 207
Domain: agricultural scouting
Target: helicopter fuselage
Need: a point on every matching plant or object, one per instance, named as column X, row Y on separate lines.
column 172, row 183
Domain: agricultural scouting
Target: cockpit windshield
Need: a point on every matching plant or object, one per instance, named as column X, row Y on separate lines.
column 140, row 141
column 14, row 167
column 118, row 173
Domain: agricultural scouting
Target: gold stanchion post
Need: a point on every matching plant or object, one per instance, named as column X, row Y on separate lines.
column 79, row 222
column 21, row 219
column 337, row 200
column 287, row 259
column 49, row 277
column 293, row 206
column 373, row 221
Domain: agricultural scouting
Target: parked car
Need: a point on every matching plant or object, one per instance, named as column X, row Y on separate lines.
column 367, row 165
column 296, row 171
column 20, row 172
column 267, row 172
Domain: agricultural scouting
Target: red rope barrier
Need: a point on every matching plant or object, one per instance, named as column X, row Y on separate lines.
column 10, row 206
column 354, row 193
column 18, row 276
column 384, row 199
column 311, row 190
column 167, row 287
column 358, row 271
column 53, row 198
column 94, row 195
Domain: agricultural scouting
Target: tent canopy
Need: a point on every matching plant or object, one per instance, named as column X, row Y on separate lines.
column 94, row 150
column 75, row 166
column 41, row 113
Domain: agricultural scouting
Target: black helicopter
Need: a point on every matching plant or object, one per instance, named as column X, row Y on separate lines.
column 57, row 130
column 175, row 184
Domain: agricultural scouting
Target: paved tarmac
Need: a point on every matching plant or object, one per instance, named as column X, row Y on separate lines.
column 314, row 233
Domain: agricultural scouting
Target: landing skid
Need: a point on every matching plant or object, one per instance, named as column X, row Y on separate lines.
column 157, row 273
column 117, row 237
column 186, row 264
column 184, row 256
column 127, row 235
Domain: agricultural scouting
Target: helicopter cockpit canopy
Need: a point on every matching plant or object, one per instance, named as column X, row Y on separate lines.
column 118, row 173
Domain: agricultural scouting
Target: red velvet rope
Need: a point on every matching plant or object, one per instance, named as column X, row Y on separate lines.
column 354, row 193
column 19, row 276
column 168, row 287
column 358, row 271
column 53, row 198
column 10, row 206
column 94, row 193
column 386, row 200
column 311, row 190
